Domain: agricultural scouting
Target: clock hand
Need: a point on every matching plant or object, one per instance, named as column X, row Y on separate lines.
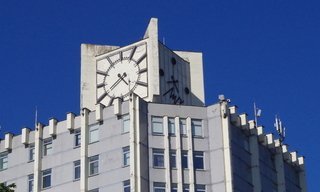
column 122, row 78
column 116, row 83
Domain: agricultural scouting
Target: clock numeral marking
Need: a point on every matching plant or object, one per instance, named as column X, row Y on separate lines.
column 101, row 85
column 141, row 58
column 175, row 98
column 121, row 55
column 102, row 73
column 142, row 83
column 102, row 97
column 142, row 71
column 111, row 63
column 132, row 53
column 111, row 101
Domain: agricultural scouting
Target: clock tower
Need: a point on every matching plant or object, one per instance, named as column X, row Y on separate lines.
column 146, row 68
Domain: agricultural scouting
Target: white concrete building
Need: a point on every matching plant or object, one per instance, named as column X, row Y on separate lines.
column 144, row 127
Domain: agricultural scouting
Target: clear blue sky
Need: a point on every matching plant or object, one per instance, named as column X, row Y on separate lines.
column 262, row 51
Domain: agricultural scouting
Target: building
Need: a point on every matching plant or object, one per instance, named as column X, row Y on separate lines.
column 144, row 127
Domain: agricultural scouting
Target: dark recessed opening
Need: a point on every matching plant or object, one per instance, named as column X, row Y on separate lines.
column 173, row 61
column 161, row 72
column 186, row 90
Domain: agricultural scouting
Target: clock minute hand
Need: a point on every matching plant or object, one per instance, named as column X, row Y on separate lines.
column 116, row 83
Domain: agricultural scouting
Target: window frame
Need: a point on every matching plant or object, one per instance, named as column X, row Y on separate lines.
column 171, row 126
column 198, row 155
column 76, row 170
column 30, row 183
column 93, row 161
column 126, row 185
column 126, row 156
column 155, row 122
column 46, row 174
column 159, row 187
column 77, row 138
column 31, row 152
column 47, row 147
column 158, row 153
column 125, row 123
column 196, row 123
column 94, row 128
column 4, row 161
column 184, row 158
column 200, row 188
column 183, row 126
column 173, row 159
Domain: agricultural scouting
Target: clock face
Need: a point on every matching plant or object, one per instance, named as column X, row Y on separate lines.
column 121, row 73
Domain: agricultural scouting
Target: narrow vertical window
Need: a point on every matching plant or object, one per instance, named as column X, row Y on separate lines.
column 3, row 161
column 31, row 152
column 183, row 127
column 126, row 156
column 196, row 127
column 171, row 126
column 173, row 159
column 93, row 165
column 198, row 160
column 93, row 133
column 126, row 186
column 125, row 123
column 47, row 147
column 174, row 187
column 76, row 174
column 159, row 187
column 186, row 188
column 77, row 138
column 158, row 158
column 200, row 188
column 184, row 159
column 157, row 125
column 30, row 183
column 46, row 178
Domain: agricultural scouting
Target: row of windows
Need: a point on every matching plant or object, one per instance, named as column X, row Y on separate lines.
column 161, row 187
column 157, row 126
column 159, row 160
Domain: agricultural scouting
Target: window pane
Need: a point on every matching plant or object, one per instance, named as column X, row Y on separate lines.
column 158, row 158
column 171, row 126
column 30, row 183
column 183, row 127
column 173, row 159
column 200, row 188
column 93, row 133
column 46, row 178
column 196, row 126
column 174, row 187
column 126, row 186
column 126, row 156
column 77, row 138
column 47, row 147
column 198, row 160
column 184, row 160
column 76, row 169
column 157, row 127
column 185, row 188
column 93, row 165
column 3, row 161
column 125, row 123
column 31, row 152
column 159, row 187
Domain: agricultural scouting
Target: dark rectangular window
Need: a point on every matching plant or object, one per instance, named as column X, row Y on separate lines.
column 126, row 186
column 158, row 158
column 184, row 156
column 93, row 165
column 198, row 160
column 46, row 178
column 77, row 138
column 76, row 165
